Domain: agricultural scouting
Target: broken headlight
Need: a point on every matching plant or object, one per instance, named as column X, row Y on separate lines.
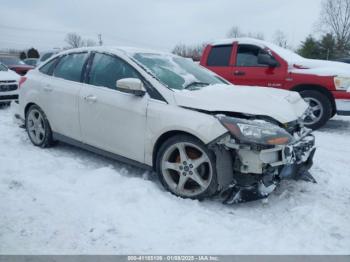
column 258, row 132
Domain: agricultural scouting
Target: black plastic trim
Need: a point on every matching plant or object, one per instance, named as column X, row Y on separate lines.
column 9, row 97
column 343, row 113
column 73, row 142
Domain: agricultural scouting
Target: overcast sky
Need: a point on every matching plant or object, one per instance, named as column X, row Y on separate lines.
column 157, row 24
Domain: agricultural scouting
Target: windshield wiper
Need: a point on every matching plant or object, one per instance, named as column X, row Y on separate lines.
column 195, row 83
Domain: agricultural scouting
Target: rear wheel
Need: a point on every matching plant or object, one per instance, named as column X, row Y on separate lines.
column 186, row 167
column 319, row 111
column 38, row 127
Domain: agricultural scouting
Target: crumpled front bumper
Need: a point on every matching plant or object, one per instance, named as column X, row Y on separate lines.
column 301, row 156
column 293, row 162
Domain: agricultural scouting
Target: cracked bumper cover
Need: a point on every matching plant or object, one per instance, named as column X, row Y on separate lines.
column 288, row 162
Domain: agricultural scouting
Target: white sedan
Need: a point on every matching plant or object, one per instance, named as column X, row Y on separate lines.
column 162, row 112
column 8, row 85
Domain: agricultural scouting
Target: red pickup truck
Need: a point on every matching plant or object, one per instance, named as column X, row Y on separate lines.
column 324, row 85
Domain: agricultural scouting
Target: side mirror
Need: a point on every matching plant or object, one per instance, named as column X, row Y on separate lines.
column 131, row 86
column 265, row 59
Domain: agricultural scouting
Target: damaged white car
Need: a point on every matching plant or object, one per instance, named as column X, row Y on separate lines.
column 203, row 136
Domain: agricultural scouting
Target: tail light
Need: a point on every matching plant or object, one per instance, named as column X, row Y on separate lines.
column 21, row 81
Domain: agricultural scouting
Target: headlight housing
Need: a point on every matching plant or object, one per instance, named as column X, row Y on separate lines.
column 342, row 83
column 262, row 133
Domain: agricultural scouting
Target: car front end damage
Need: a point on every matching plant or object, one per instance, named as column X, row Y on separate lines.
column 255, row 155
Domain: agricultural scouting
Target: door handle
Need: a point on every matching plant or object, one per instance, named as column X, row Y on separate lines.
column 90, row 99
column 239, row 73
column 47, row 88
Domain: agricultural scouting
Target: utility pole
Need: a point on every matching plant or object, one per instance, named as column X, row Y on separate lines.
column 100, row 42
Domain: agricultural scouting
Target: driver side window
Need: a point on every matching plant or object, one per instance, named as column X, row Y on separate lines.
column 247, row 56
column 106, row 70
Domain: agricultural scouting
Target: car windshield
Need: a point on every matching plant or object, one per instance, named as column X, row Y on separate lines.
column 30, row 61
column 3, row 68
column 46, row 56
column 177, row 72
column 11, row 60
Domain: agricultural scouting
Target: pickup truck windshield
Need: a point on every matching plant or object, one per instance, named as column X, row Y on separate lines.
column 177, row 72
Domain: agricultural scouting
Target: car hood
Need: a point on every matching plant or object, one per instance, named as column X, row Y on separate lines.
column 283, row 106
column 320, row 67
column 8, row 76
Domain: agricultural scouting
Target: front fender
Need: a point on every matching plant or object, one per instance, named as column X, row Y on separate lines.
column 163, row 118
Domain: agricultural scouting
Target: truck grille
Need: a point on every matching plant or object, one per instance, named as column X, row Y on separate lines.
column 13, row 97
column 6, row 86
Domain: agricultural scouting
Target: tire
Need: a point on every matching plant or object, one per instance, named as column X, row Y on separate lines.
column 38, row 127
column 319, row 111
column 190, row 174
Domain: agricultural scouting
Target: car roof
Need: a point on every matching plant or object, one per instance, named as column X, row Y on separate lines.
column 129, row 51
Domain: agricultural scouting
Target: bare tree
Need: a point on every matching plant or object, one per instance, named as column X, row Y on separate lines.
column 335, row 19
column 74, row 40
column 235, row 32
column 89, row 42
column 194, row 52
column 256, row 35
column 280, row 39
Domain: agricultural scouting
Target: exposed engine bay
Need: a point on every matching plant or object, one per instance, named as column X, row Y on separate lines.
column 255, row 155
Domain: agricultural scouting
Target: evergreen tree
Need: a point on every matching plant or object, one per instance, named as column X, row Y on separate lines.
column 328, row 47
column 310, row 48
column 22, row 55
column 33, row 53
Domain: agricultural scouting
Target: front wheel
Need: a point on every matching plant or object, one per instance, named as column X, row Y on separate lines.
column 186, row 167
column 319, row 111
column 38, row 127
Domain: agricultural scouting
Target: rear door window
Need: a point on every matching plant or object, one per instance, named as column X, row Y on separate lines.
column 70, row 67
column 220, row 56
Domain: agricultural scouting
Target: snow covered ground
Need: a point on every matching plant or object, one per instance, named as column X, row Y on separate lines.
column 65, row 200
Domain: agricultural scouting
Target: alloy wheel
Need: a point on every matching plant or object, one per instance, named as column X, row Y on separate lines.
column 36, row 126
column 186, row 169
column 314, row 112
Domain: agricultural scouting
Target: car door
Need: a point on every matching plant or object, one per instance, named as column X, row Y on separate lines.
column 220, row 61
column 110, row 119
column 61, row 91
column 248, row 71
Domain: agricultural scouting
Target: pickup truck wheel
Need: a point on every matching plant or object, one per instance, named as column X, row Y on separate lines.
column 319, row 111
column 38, row 127
column 186, row 167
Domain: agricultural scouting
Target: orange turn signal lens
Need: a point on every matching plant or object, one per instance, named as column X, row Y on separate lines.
column 278, row 141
